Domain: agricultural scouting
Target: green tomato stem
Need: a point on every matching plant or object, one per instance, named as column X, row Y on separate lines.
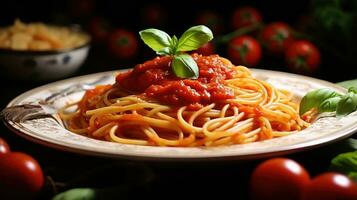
column 242, row 31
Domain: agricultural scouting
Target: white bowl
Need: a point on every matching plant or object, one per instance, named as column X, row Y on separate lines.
column 42, row 65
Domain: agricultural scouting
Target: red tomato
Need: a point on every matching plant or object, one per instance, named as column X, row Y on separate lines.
column 330, row 186
column 206, row 50
column 4, row 147
column 99, row 29
column 278, row 179
column 277, row 37
column 21, row 176
column 212, row 20
column 123, row 44
column 244, row 50
column 302, row 57
column 245, row 16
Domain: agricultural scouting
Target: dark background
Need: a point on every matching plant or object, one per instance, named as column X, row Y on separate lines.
column 155, row 179
column 180, row 14
column 337, row 51
column 329, row 31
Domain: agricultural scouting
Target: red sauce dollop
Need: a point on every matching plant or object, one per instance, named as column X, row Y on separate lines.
column 156, row 80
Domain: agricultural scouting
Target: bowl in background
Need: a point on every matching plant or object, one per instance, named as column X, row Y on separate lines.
column 42, row 65
column 41, row 52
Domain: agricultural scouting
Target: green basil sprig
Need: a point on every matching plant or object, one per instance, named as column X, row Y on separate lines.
column 347, row 104
column 327, row 100
column 330, row 104
column 183, row 64
column 315, row 98
column 346, row 163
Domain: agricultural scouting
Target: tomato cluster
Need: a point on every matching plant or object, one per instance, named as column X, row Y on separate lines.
column 21, row 176
column 282, row 178
column 121, row 43
column 277, row 39
column 250, row 41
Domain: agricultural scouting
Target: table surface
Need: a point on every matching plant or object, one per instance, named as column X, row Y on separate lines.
column 137, row 179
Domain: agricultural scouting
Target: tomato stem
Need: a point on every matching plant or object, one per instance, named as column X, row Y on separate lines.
column 241, row 31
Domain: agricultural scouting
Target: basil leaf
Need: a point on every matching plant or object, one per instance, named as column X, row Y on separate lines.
column 314, row 98
column 347, row 104
column 155, row 39
column 194, row 38
column 329, row 105
column 348, row 83
column 345, row 163
column 174, row 41
column 164, row 51
column 352, row 90
column 76, row 193
column 353, row 176
column 184, row 66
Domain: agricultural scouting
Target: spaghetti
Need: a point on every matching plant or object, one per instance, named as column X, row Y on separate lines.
column 150, row 106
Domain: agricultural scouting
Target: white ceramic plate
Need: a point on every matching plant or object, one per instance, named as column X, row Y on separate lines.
column 323, row 131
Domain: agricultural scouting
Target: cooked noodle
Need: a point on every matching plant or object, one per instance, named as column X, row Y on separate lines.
column 257, row 111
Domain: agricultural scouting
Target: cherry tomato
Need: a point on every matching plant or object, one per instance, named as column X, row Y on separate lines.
column 4, row 147
column 330, row 186
column 123, row 44
column 245, row 16
column 212, row 20
column 277, row 37
column 278, row 179
column 99, row 29
column 303, row 57
column 244, row 50
column 21, row 176
column 206, row 50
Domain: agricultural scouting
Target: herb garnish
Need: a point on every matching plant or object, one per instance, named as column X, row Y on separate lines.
column 182, row 64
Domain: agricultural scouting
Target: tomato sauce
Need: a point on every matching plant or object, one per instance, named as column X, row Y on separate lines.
column 91, row 97
column 156, row 80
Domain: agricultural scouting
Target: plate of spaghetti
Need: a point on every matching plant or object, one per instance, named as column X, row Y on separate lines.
column 228, row 112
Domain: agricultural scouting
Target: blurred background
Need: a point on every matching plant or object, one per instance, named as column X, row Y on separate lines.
column 329, row 25
column 311, row 37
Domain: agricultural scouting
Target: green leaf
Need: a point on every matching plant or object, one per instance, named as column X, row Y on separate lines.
column 329, row 105
column 352, row 90
column 346, row 163
column 349, row 83
column 155, row 39
column 164, row 51
column 347, row 104
column 184, row 66
column 76, row 194
column 174, row 41
column 353, row 176
column 314, row 98
column 194, row 38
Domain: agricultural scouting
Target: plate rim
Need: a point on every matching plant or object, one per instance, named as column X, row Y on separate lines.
column 302, row 146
